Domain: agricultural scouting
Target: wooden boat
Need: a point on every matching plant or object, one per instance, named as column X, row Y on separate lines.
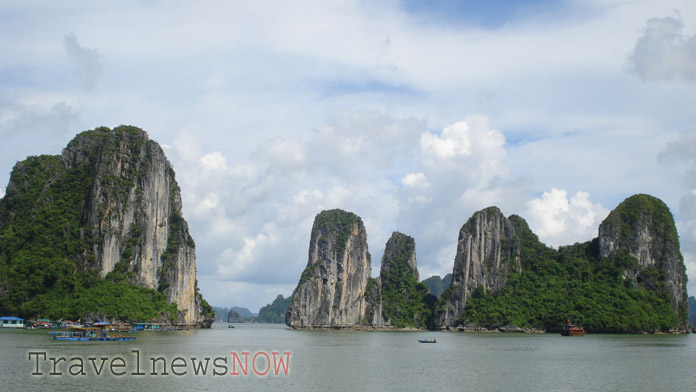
column 90, row 334
column 427, row 340
column 572, row 330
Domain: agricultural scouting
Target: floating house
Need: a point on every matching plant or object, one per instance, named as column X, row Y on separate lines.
column 148, row 326
column 11, row 322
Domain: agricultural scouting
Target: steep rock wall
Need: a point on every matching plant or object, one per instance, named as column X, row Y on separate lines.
column 405, row 302
column 488, row 250
column 127, row 206
column 642, row 227
column 330, row 293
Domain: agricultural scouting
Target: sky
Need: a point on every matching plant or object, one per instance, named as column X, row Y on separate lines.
column 413, row 115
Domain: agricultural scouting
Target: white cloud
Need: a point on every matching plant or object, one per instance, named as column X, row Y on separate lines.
column 256, row 212
column 465, row 169
column 305, row 196
column 214, row 161
column 469, row 147
column 415, row 180
column 87, row 61
column 664, row 52
column 558, row 220
column 454, row 140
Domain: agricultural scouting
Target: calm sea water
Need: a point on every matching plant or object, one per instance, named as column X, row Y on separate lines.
column 353, row 361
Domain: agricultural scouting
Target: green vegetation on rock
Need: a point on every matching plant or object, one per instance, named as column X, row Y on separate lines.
column 274, row 313
column 335, row 222
column 405, row 301
column 571, row 283
column 629, row 214
column 47, row 259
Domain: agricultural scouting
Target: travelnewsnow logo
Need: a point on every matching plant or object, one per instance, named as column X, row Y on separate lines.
column 244, row 363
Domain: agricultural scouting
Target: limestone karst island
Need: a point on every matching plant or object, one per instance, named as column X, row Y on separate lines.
column 629, row 279
column 97, row 233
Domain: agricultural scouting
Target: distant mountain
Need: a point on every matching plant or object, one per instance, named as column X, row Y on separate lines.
column 274, row 313
column 692, row 311
column 221, row 313
column 240, row 315
column 243, row 312
column 438, row 286
column 234, row 317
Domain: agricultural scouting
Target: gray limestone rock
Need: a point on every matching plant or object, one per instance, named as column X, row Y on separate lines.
column 330, row 293
column 641, row 237
column 488, row 250
column 134, row 210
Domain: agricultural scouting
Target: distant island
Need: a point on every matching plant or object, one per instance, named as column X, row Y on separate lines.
column 273, row 313
column 97, row 233
column 630, row 279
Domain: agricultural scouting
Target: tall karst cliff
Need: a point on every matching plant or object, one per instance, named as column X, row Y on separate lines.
column 336, row 290
column 330, row 293
column 110, row 206
column 641, row 238
column 631, row 278
column 401, row 300
column 488, row 250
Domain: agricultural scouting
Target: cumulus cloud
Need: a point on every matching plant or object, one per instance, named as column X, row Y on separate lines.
column 256, row 212
column 87, row 60
column 459, row 170
column 213, row 161
column 454, row 140
column 664, row 52
column 559, row 220
column 415, row 180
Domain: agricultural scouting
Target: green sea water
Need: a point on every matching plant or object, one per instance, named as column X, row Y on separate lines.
column 347, row 361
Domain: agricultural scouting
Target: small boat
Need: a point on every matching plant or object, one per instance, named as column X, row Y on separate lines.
column 90, row 334
column 230, row 326
column 427, row 340
column 572, row 330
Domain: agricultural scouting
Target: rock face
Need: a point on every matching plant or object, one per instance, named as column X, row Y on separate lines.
column 374, row 314
column 274, row 312
column 399, row 255
column 488, row 250
column 405, row 302
column 641, row 237
column 234, row 317
column 330, row 293
column 131, row 210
